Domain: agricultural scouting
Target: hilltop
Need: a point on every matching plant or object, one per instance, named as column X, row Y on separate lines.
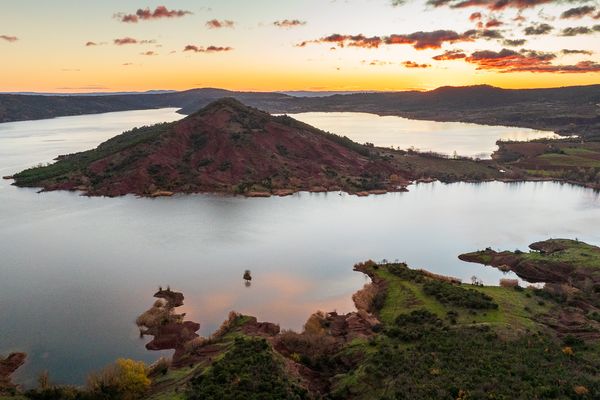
column 224, row 147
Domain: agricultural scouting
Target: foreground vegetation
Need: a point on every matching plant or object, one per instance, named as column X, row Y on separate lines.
column 415, row 335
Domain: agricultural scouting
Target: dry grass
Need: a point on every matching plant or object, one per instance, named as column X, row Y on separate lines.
column 363, row 299
column 315, row 324
column 509, row 283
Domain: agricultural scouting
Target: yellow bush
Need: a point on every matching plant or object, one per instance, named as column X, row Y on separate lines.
column 127, row 378
column 581, row 390
column 567, row 350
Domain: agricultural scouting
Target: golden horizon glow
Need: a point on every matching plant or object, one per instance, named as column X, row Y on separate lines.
column 50, row 55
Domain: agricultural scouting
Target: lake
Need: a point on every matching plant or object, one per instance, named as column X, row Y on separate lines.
column 76, row 271
column 471, row 140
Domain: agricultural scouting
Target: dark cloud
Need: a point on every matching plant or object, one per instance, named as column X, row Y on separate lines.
column 216, row 24
column 579, row 68
column 348, row 40
column 10, row 39
column 430, row 40
column 209, row 49
column 571, row 51
column 514, row 42
column 125, row 40
column 397, row 3
column 147, row 14
column 412, row 64
column 490, row 34
column 149, row 53
column 579, row 30
column 506, row 61
column 578, row 12
column 419, row 40
column 450, row 55
column 540, row 29
column 88, row 44
column 494, row 5
column 289, row 23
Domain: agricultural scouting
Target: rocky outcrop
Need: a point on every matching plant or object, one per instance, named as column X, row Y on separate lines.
column 168, row 329
column 8, row 366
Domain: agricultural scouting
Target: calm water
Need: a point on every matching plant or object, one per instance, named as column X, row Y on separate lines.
column 76, row 271
column 443, row 137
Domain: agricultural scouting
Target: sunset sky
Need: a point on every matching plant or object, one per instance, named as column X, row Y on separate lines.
column 110, row 45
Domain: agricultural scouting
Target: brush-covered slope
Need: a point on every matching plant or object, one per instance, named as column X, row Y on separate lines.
column 224, row 147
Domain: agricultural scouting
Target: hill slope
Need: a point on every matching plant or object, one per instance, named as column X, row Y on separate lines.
column 566, row 110
column 225, row 147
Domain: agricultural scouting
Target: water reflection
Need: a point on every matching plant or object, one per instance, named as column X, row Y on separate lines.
column 76, row 270
column 443, row 137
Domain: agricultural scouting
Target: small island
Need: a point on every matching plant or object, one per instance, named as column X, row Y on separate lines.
column 230, row 148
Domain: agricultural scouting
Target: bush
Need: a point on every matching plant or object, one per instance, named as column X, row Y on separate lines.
column 447, row 293
column 248, row 371
column 125, row 379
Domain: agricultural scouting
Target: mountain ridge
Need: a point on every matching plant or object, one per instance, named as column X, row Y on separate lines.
column 571, row 110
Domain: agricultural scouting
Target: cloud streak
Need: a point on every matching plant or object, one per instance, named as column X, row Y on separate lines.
column 289, row 23
column 580, row 30
column 540, row 29
column 493, row 5
column 412, row 64
column 147, row 14
column 450, row 55
column 8, row 38
column 578, row 12
column 419, row 40
column 508, row 61
column 216, row 24
column 209, row 49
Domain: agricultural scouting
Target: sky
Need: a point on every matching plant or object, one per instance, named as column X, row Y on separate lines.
column 275, row 45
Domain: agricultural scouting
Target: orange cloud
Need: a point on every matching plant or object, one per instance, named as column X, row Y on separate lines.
column 526, row 61
column 125, row 40
column 412, row 64
column 216, row 24
column 476, row 16
column 419, row 40
column 8, row 38
column 450, row 55
column 492, row 23
column 147, row 14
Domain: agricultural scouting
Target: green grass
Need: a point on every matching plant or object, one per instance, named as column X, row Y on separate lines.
column 516, row 309
column 569, row 160
column 575, row 253
column 77, row 162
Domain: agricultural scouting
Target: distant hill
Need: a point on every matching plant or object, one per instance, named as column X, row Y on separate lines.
column 224, row 147
column 568, row 110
